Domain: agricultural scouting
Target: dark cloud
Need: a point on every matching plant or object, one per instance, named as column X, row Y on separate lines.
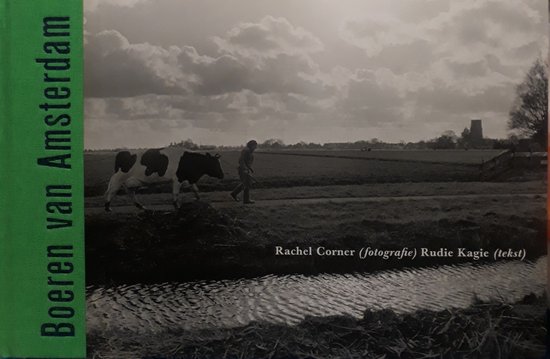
column 453, row 100
column 369, row 101
column 474, row 68
column 416, row 56
column 269, row 37
column 464, row 29
column 276, row 61
column 116, row 68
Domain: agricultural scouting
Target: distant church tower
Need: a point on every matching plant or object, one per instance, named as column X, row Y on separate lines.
column 476, row 132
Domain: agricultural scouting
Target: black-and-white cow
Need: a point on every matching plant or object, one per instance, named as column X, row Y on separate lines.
column 162, row 165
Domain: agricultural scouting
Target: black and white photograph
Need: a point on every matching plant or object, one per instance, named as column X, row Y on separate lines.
column 316, row 178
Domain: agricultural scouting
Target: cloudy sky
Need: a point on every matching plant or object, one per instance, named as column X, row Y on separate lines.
column 224, row 71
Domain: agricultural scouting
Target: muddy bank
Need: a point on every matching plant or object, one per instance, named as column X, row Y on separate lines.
column 342, row 191
column 456, row 174
column 484, row 330
column 200, row 242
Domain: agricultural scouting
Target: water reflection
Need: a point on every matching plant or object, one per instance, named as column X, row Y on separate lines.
column 288, row 299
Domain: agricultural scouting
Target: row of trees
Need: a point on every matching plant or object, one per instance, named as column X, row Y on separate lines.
column 190, row 145
column 449, row 140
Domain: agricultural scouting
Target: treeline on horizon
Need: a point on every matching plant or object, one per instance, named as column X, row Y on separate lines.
column 447, row 141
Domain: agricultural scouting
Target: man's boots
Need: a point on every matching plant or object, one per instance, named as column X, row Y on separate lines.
column 246, row 196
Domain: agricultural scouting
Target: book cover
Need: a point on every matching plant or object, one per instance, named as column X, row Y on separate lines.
column 398, row 175
column 273, row 179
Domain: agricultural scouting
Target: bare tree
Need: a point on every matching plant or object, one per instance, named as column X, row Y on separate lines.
column 529, row 114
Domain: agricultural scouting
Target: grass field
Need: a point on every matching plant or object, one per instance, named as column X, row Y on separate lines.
column 474, row 157
column 320, row 168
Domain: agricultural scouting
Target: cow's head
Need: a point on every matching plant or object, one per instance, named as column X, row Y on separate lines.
column 213, row 166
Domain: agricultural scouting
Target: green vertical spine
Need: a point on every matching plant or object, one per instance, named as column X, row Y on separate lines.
column 42, row 289
column 5, row 250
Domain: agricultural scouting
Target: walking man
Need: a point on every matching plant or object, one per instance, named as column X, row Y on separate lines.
column 245, row 169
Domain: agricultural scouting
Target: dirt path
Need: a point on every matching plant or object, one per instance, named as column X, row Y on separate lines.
column 304, row 201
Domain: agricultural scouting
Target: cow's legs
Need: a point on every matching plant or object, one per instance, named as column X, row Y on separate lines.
column 195, row 191
column 176, row 187
column 115, row 183
column 132, row 191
